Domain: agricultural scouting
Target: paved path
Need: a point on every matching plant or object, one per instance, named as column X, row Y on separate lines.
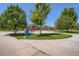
column 12, row 46
column 64, row 47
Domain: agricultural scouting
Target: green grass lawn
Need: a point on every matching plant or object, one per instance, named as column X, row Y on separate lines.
column 47, row 36
column 4, row 30
column 73, row 32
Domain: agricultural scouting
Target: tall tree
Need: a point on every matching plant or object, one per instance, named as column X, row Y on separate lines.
column 67, row 20
column 40, row 14
column 76, row 27
column 14, row 17
column 70, row 12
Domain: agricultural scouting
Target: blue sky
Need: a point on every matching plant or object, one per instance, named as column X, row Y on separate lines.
column 56, row 9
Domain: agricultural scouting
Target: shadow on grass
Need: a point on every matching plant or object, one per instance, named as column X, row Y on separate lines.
column 48, row 34
column 72, row 32
column 17, row 34
column 43, row 36
column 22, row 34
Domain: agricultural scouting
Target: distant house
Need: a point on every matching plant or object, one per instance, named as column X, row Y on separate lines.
column 35, row 27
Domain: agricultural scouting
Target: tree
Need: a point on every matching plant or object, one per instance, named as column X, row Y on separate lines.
column 67, row 20
column 14, row 17
column 76, row 27
column 1, row 21
column 40, row 14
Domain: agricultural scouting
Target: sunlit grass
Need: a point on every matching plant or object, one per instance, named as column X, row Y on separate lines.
column 46, row 36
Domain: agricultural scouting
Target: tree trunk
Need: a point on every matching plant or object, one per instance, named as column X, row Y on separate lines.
column 15, row 30
column 67, row 29
column 40, row 30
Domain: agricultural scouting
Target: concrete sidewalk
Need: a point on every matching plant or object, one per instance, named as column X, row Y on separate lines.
column 61, row 47
column 10, row 46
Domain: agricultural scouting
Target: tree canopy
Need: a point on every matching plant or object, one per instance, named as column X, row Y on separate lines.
column 67, row 20
column 13, row 17
column 40, row 14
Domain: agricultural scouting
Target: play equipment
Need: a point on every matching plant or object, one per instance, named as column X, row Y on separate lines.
column 26, row 32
